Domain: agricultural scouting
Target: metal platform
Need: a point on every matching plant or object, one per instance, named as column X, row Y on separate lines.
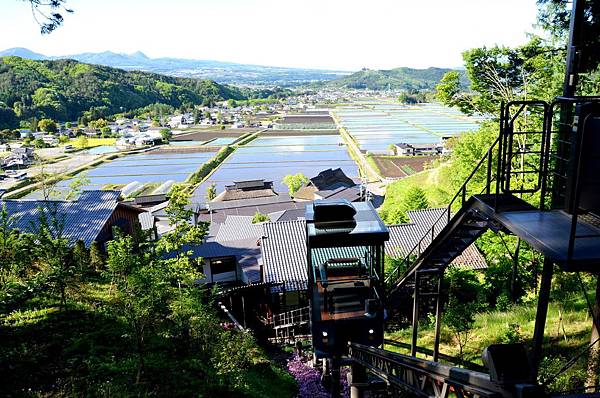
column 549, row 233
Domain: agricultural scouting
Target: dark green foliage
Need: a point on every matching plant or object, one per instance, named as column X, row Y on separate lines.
column 81, row 256
column 259, row 217
column 498, row 251
column 66, row 89
column 166, row 134
column 143, row 327
column 96, row 257
column 554, row 17
column 413, row 198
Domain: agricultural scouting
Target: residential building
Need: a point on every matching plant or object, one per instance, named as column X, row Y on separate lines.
column 89, row 218
column 405, row 149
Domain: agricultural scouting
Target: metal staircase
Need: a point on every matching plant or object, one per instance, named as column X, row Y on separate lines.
column 560, row 235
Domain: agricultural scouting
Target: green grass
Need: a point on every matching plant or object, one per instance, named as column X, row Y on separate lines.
column 493, row 326
column 373, row 164
column 407, row 169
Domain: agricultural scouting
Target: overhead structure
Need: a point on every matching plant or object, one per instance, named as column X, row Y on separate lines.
column 345, row 254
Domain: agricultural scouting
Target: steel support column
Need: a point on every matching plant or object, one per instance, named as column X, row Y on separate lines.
column 438, row 318
column 542, row 311
column 415, row 319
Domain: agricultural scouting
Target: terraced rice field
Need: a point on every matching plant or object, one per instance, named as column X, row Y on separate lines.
column 272, row 158
column 377, row 124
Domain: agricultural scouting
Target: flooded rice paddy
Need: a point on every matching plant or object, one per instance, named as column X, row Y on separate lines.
column 376, row 125
column 272, row 158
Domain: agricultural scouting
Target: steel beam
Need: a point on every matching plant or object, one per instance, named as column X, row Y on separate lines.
column 438, row 318
column 415, row 318
column 542, row 311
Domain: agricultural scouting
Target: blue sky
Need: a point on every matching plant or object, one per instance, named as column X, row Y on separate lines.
column 330, row 34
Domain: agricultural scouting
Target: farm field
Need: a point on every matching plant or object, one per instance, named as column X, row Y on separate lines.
column 272, row 158
column 144, row 168
column 400, row 167
column 376, row 124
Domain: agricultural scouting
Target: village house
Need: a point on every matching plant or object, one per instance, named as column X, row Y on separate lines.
column 404, row 149
column 19, row 157
column 89, row 218
column 330, row 184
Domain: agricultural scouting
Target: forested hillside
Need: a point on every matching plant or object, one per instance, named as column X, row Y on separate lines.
column 64, row 89
column 394, row 79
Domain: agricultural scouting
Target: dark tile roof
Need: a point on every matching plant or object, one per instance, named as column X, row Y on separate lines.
column 284, row 253
column 237, row 194
column 331, row 179
column 351, row 194
column 248, row 207
column 292, row 214
column 83, row 218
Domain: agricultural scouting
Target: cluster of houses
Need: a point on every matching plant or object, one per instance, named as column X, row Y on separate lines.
column 238, row 251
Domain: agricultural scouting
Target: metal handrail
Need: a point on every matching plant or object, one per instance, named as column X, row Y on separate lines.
column 293, row 317
column 424, row 378
column 462, row 193
column 506, row 130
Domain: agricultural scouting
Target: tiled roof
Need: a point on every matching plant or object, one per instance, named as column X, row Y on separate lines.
column 237, row 194
column 284, row 247
column 284, row 253
column 247, row 207
column 292, row 214
column 82, row 219
column 237, row 228
column 331, row 179
column 251, row 202
column 349, row 193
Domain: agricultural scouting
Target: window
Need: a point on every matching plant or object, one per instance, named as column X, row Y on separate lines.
column 223, row 265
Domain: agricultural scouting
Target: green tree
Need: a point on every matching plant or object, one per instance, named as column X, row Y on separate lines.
column 140, row 294
column 464, row 301
column 39, row 143
column 81, row 256
column 211, row 192
column 96, row 257
column 82, row 142
column 48, row 126
column 54, row 252
column 294, row 182
column 260, row 217
column 412, row 198
column 166, row 134
column 76, row 186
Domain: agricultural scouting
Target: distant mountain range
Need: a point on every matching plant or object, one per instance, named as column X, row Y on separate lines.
column 221, row 72
column 394, row 79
